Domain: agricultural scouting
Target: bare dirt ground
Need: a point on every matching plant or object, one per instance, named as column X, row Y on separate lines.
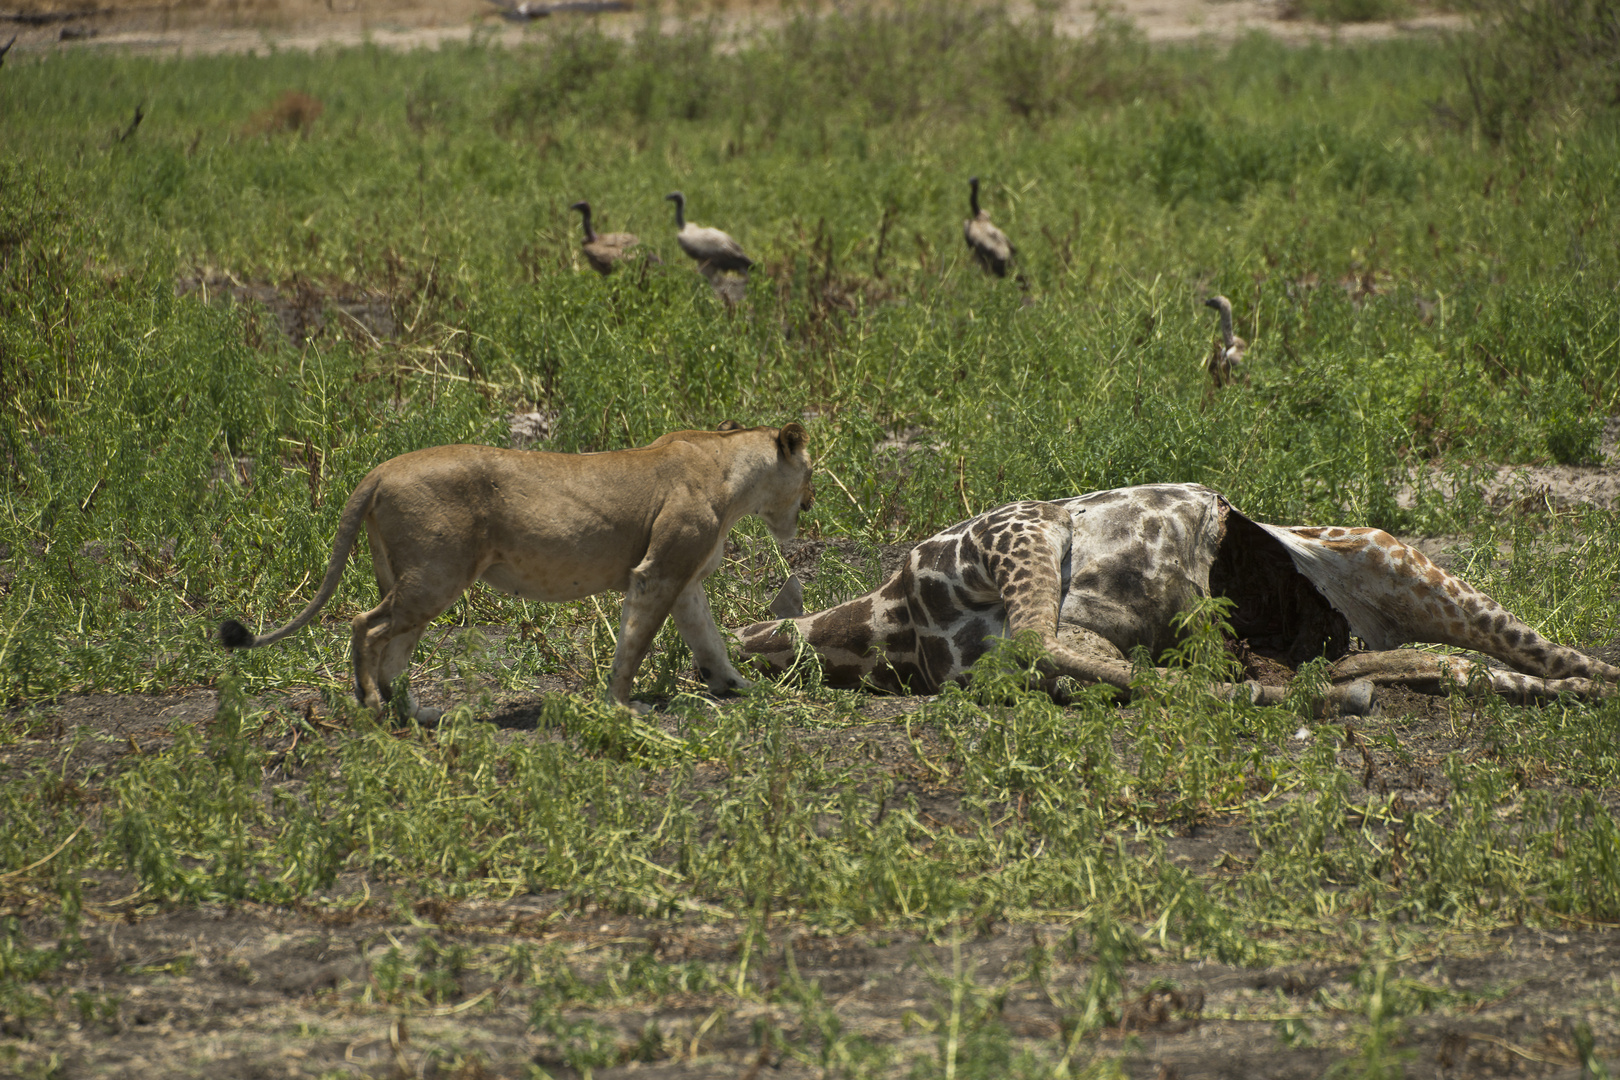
column 1538, row 489
column 245, row 26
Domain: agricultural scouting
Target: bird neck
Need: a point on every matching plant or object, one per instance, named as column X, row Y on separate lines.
column 1226, row 325
column 973, row 199
column 590, row 234
column 680, row 213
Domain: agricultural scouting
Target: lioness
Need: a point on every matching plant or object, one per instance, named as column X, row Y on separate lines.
column 650, row 522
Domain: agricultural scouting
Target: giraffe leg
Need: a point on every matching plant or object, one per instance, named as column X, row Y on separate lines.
column 1393, row 595
column 1456, row 613
column 1433, row 674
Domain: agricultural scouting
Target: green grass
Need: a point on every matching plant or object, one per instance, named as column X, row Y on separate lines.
column 1417, row 297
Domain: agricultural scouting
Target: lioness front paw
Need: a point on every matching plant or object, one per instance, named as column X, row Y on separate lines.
column 733, row 685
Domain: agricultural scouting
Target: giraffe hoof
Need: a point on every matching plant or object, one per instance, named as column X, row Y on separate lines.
column 789, row 600
column 1354, row 699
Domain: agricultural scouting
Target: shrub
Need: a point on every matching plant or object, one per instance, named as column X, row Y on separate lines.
column 1526, row 58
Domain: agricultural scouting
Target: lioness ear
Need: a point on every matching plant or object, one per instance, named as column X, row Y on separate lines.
column 791, row 438
column 729, row 425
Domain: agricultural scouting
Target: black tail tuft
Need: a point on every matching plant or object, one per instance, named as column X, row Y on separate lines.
column 233, row 635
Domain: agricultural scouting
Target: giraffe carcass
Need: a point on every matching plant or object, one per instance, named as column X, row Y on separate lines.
column 1098, row 575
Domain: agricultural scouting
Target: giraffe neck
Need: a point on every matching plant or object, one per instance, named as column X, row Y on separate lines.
column 1393, row 595
column 868, row 640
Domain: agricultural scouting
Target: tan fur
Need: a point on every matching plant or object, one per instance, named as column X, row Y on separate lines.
column 651, row 523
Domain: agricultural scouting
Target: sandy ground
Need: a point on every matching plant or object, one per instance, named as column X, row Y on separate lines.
column 235, row 26
column 1542, row 489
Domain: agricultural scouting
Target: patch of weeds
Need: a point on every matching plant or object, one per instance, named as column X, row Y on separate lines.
column 100, row 1010
column 430, row 976
column 1573, row 426
column 1188, row 730
column 1197, row 158
column 439, row 969
column 1378, row 1054
column 1111, row 945
column 20, row 965
column 1525, row 60
column 1294, row 1033
column 579, row 1042
column 1347, row 11
column 826, row 1044
column 971, row 1040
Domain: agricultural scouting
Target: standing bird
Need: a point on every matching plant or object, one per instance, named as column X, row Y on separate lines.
column 603, row 250
column 989, row 244
column 1229, row 353
column 714, row 250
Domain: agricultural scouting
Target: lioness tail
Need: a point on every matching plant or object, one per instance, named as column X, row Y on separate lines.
column 233, row 635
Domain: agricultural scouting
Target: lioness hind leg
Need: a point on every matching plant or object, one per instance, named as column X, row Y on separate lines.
column 396, row 661
column 696, row 624
column 646, row 604
column 365, row 654
column 381, row 653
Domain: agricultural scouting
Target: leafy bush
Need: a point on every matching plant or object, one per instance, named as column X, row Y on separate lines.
column 882, row 64
column 1527, row 58
column 1346, row 11
column 1573, row 425
column 1194, row 157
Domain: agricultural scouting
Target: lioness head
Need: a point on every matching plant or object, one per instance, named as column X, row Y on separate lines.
column 782, row 515
column 781, row 487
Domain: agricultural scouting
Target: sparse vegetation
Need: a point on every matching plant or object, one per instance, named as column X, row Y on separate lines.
column 1348, row 11
column 300, row 265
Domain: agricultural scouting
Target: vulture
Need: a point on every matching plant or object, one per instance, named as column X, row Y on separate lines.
column 604, row 249
column 989, row 244
column 1229, row 353
column 713, row 250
